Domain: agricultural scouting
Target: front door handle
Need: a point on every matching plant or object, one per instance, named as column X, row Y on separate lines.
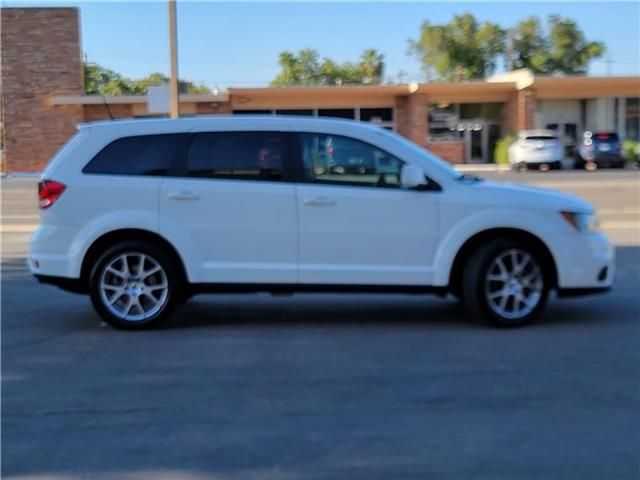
column 184, row 196
column 319, row 202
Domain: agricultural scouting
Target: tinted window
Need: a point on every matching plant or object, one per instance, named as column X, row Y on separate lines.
column 140, row 155
column 237, row 155
column 346, row 161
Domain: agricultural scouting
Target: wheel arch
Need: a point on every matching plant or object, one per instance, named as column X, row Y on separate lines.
column 523, row 236
column 129, row 234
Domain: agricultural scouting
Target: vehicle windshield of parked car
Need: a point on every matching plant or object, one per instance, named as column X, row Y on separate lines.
column 541, row 137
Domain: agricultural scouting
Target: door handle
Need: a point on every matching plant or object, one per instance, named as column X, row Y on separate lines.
column 184, row 196
column 319, row 202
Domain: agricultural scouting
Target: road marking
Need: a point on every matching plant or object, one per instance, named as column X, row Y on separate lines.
column 621, row 225
column 17, row 228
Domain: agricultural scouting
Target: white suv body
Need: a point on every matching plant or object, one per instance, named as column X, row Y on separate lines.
column 257, row 203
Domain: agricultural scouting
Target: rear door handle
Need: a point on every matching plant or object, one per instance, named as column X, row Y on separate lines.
column 319, row 202
column 184, row 196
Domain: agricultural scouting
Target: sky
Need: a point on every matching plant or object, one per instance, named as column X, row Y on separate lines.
column 224, row 44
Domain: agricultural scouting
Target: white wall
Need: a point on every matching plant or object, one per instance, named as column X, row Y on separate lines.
column 557, row 111
column 601, row 114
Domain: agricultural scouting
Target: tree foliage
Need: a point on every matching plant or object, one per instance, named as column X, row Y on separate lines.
column 563, row 50
column 464, row 48
column 459, row 50
column 99, row 80
column 307, row 69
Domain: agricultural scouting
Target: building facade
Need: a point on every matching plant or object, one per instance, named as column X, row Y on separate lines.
column 42, row 100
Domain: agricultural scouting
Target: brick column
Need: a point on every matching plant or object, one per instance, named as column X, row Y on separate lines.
column 40, row 58
column 411, row 117
column 518, row 112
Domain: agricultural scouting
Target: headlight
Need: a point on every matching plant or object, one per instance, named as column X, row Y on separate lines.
column 583, row 222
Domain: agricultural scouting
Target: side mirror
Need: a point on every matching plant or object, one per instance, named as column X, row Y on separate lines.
column 412, row 177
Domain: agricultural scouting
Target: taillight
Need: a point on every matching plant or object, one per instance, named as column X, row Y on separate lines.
column 49, row 192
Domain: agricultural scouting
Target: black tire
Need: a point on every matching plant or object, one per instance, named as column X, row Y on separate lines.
column 475, row 274
column 168, row 300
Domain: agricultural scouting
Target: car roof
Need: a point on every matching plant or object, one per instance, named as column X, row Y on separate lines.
column 223, row 122
column 538, row 133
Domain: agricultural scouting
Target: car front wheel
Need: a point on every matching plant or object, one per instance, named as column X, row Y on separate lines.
column 506, row 283
column 133, row 285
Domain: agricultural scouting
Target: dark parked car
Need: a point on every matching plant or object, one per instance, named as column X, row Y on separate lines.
column 600, row 149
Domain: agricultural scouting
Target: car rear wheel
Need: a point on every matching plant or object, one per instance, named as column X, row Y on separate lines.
column 134, row 285
column 506, row 283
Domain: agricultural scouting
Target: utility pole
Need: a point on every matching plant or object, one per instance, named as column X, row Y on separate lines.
column 510, row 50
column 173, row 47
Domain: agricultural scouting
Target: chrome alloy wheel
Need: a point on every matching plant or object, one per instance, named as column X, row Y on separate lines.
column 514, row 284
column 134, row 286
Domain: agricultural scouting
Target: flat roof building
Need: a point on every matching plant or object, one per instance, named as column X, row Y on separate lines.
column 43, row 99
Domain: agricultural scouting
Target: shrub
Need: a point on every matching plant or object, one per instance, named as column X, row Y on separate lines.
column 629, row 149
column 501, row 152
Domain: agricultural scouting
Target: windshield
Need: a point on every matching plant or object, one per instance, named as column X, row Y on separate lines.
column 541, row 137
column 424, row 154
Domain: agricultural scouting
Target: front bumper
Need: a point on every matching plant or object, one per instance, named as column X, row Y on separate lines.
column 588, row 262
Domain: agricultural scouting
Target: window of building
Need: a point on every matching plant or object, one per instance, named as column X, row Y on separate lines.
column 297, row 112
column 485, row 111
column 443, row 122
column 348, row 113
column 379, row 116
column 339, row 160
column 253, row 112
column 237, row 155
column 139, row 155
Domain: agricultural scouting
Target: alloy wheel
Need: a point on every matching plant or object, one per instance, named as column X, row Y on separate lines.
column 134, row 287
column 514, row 284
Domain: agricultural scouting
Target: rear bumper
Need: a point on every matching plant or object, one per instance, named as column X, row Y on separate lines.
column 73, row 285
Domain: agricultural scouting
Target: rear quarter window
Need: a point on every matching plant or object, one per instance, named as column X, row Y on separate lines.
column 148, row 155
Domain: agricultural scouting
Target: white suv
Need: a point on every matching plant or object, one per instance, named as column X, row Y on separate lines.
column 143, row 214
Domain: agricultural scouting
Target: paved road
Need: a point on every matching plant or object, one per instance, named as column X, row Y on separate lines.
column 315, row 387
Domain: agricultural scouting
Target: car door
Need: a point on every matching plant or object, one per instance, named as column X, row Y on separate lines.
column 229, row 203
column 357, row 225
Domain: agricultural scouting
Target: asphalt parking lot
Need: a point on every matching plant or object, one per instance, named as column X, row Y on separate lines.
column 325, row 386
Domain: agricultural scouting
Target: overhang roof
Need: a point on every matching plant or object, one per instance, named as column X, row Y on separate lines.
column 569, row 88
column 130, row 99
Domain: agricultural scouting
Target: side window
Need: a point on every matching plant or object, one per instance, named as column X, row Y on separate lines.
column 139, row 155
column 237, row 155
column 346, row 161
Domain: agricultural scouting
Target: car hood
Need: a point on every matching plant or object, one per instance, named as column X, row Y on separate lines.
column 512, row 194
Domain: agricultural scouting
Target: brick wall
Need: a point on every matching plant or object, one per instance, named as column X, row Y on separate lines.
column 94, row 113
column 213, row 108
column 411, row 117
column 518, row 112
column 40, row 57
column 452, row 152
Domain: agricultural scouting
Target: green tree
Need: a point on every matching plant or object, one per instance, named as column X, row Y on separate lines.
column 102, row 81
column 563, row 50
column 459, row 50
column 305, row 68
column 99, row 80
